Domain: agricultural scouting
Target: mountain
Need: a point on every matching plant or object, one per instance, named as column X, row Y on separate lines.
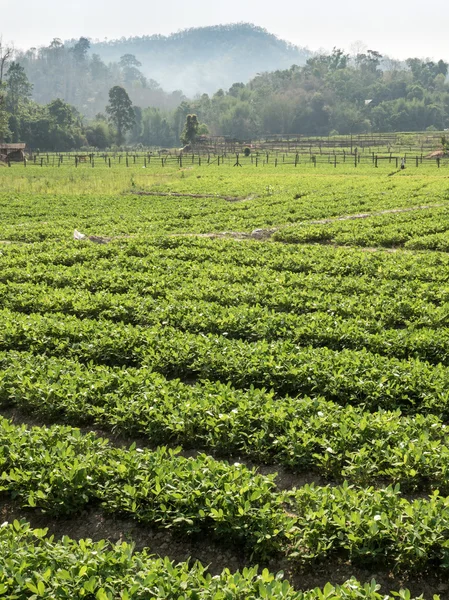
column 204, row 59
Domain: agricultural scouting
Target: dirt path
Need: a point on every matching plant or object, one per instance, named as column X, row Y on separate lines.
column 186, row 195
column 375, row 214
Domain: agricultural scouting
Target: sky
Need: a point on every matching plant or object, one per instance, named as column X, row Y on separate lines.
column 398, row 29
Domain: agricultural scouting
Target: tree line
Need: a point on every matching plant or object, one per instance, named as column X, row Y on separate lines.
column 331, row 93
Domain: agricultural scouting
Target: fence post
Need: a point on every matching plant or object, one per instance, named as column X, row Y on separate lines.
column 109, row 162
column 438, row 162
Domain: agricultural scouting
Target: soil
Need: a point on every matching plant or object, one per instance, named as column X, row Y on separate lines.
column 185, row 195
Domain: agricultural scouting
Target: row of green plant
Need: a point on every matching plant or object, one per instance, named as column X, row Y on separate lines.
column 275, row 198
column 403, row 329
column 393, row 301
column 396, row 229
column 302, row 434
column 350, row 376
column 370, row 526
column 34, row 565
column 61, row 471
column 140, row 253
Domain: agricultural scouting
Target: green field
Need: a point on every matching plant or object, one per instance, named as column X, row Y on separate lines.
column 236, row 385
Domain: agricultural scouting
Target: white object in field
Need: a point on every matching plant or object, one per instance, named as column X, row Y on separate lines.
column 78, row 235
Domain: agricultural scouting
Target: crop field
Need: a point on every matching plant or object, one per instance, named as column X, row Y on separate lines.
column 233, row 385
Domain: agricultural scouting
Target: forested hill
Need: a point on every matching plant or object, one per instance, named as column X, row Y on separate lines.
column 205, row 59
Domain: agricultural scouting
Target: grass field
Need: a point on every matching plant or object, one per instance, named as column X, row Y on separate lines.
column 235, row 367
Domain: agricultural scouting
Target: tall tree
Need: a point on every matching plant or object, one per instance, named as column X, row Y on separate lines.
column 61, row 113
column 120, row 111
column 80, row 49
column 190, row 129
column 4, row 117
column 18, row 87
column 6, row 53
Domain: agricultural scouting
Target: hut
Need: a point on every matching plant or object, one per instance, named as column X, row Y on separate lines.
column 12, row 152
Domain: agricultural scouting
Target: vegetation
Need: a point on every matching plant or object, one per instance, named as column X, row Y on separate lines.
column 204, row 59
column 310, row 339
column 120, row 111
column 311, row 95
column 68, row 569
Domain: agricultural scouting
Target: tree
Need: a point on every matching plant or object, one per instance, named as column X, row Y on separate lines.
column 98, row 135
column 130, row 66
column 6, row 52
column 61, row 113
column 81, row 49
column 4, row 129
column 190, row 129
column 18, row 87
column 120, row 111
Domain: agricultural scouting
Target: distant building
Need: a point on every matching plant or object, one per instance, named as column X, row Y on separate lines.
column 12, row 152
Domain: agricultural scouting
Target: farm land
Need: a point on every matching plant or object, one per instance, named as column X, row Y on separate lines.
column 236, row 385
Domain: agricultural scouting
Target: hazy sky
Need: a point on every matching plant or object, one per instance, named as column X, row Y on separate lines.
column 400, row 29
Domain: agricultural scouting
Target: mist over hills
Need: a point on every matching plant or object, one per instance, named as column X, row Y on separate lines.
column 56, row 96
column 204, row 59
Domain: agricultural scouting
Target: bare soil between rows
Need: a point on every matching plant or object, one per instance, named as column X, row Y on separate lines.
column 189, row 195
